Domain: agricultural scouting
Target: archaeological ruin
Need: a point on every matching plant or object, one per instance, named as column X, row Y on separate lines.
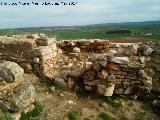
column 97, row 65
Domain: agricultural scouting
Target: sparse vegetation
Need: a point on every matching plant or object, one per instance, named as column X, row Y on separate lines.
column 72, row 115
column 33, row 113
column 5, row 115
column 112, row 102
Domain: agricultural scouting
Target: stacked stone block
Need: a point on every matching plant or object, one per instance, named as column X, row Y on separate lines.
column 92, row 45
column 155, row 64
column 109, row 75
column 33, row 53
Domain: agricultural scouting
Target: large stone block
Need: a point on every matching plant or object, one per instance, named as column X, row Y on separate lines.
column 120, row 60
column 17, row 96
column 10, row 71
column 43, row 50
column 45, row 41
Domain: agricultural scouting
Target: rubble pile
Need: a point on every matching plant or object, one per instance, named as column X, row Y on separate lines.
column 93, row 45
column 34, row 52
column 16, row 91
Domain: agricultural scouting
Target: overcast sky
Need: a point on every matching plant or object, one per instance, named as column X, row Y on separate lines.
column 85, row 12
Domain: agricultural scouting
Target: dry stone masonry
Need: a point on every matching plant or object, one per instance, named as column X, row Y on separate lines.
column 112, row 68
column 126, row 68
column 93, row 45
column 33, row 52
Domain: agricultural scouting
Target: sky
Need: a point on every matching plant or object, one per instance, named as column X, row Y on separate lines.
column 83, row 13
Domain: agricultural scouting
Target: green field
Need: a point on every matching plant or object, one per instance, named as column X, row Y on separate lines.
column 93, row 32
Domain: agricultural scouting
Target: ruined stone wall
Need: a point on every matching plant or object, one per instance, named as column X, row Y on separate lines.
column 32, row 53
column 93, row 45
column 127, row 68
column 119, row 68
column 155, row 65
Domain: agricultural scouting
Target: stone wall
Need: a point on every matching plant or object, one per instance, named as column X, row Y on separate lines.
column 33, row 53
column 155, row 65
column 127, row 68
column 92, row 45
column 119, row 68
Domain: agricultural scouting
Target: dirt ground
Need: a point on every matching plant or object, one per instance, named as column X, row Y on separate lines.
column 58, row 103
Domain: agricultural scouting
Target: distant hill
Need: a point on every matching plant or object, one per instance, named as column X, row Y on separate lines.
column 145, row 23
column 125, row 24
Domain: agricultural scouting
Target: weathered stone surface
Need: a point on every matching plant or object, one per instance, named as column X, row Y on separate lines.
column 60, row 82
column 103, row 63
column 109, row 89
column 147, row 50
column 111, row 77
column 27, row 67
column 88, row 87
column 142, row 59
column 101, row 89
column 94, row 82
column 88, row 65
column 45, row 41
column 98, row 57
column 146, row 79
column 112, row 66
column 112, row 52
column 120, row 60
column 42, row 50
column 76, row 50
column 96, row 66
column 128, row 90
column 102, row 75
column 17, row 96
column 119, row 91
column 71, row 84
column 10, row 71
column 72, row 55
column 131, row 50
column 120, row 76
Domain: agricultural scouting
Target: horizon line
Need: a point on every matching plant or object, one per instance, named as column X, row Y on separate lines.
column 78, row 25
